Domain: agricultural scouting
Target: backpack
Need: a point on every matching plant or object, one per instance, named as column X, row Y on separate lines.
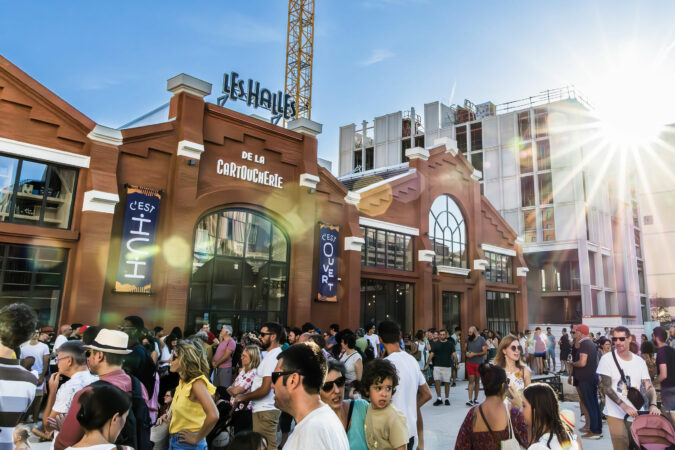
column 369, row 354
column 136, row 430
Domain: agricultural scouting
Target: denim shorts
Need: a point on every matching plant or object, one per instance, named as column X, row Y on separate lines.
column 174, row 444
column 668, row 398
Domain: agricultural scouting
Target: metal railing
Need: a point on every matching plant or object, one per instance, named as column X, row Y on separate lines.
column 545, row 97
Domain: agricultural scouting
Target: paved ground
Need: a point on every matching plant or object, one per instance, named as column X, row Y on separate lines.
column 441, row 423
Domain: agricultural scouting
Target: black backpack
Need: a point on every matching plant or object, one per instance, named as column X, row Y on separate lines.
column 136, row 431
column 369, row 354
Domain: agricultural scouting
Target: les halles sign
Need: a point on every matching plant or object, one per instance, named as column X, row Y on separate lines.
column 278, row 103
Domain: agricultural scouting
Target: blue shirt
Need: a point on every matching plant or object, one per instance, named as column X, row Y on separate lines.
column 356, row 434
column 551, row 342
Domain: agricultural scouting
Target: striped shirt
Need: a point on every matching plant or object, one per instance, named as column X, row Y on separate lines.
column 17, row 390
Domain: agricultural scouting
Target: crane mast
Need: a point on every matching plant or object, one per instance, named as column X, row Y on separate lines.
column 299, row 53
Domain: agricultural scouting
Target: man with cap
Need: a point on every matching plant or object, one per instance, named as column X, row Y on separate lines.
column 585, row 373
column 104, row 357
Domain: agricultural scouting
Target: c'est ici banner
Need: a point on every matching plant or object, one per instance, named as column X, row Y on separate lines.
column 137, row 250
column 328, row 262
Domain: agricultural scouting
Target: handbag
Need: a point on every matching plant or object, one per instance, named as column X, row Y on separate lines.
column 507, row 444
column 159, row 434
column 634, row 395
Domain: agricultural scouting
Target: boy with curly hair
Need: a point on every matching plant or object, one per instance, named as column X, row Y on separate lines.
column 385, row 426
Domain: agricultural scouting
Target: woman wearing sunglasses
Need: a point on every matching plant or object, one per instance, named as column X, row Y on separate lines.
column 352, row 413
column 510, row 358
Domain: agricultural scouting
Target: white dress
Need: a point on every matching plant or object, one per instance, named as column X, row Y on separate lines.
column 422, row 347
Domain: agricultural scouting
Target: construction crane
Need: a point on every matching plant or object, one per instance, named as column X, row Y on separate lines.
column 299, row 52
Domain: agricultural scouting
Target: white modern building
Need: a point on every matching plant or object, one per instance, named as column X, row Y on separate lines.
column 545, row 169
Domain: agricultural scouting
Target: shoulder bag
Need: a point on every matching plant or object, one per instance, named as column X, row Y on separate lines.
column 634, row 395
column 508, row 444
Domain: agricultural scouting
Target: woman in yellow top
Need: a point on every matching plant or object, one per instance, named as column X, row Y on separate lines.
column 193, row 412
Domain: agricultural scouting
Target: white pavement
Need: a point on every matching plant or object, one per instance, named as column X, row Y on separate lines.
column 441, row 423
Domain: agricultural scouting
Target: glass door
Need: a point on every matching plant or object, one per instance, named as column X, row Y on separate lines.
column 451, row 310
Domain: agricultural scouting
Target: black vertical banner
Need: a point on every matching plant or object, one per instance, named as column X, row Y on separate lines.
column 137, row 250
column 328, row 262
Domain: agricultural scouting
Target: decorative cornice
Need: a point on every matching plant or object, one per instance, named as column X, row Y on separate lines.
column 417, row 153
column 522, row 271
column 480, row 264
column 100, row 201
column 190, row 149
column 26, row 150
column 354, row 243
column 449, row 143
column 500, row 250
column 188, row 84
column 426, row 255
column 106, row 135
column 453, row 270
column 309, row 180
column 476, row 175
column 382, row 225
column 353, row 198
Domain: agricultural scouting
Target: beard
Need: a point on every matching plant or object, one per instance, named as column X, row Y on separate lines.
column 266, row 344
column 472, row 337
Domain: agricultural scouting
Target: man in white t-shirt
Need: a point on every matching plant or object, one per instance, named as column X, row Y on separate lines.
column 297, row 378
column 615, row 387
column 412, row 391
column 40, row 352
column 373, row 338
column 265, row 415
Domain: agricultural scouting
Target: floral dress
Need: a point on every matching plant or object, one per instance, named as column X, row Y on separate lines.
column 244, row 380
column 468, row 439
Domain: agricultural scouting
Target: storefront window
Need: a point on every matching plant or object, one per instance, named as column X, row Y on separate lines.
column 41, row 194
column 447, row 232
column 501, row 312
column 387, row 300
column 500, row 268
column 387, row 249
column 451, row 310
column 34, row 276
column 239, row 271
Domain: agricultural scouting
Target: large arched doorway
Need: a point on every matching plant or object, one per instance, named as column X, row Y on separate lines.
column 239, row 271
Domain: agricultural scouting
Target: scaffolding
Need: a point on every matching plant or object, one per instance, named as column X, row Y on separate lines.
column 299, row 55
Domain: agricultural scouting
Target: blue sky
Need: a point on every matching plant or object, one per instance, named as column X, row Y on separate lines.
column 111, row 60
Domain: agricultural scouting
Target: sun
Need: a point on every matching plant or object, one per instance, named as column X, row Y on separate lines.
column 632, row 98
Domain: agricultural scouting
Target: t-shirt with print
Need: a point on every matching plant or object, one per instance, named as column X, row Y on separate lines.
column 65, row 394
column 410, row 377
column 588, row 372
column 443, row 353
column 385, row 428
column 37, row 351
column 666, row 355
column 476, row 346
column 265, row 369
column 374, row 341
column 320, row 429
column 635, row 371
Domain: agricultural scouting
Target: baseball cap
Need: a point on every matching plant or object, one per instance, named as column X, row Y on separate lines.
column 583, row 328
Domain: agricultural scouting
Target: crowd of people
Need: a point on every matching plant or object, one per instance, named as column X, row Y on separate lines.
column 89, row 387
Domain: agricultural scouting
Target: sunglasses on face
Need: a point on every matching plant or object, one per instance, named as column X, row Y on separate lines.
column 622, row 339
column 516, row 348
column 264, row 334
column 276, row 375
column 87, row 354
column 328, row 385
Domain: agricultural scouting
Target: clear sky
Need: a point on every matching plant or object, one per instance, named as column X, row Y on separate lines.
column 111, row 60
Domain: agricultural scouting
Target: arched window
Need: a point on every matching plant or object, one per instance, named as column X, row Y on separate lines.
column 239, row 271
column 447, row 231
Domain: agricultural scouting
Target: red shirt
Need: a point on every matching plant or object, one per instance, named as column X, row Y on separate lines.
column 71, row 431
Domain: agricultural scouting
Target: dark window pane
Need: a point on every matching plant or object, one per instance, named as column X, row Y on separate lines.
column 545, row 188
column 8, row 167
column 543, row 155
column 405, row 145
column 358, row 160
column 527, row 190
column 370, row 158
column 460, row 135
column 524, row 125
column 526, row 163
column 541, row 122
column 476, row 137
column 477, row 161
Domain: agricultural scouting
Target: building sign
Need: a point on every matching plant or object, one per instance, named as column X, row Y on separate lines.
column 328, row 262
column 246, row 173
column 134, row 271
column 278, row 103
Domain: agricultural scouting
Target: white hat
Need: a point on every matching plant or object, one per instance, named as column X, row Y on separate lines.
column 110, row 341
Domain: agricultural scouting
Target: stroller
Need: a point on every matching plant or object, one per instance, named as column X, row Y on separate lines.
column 649, row 432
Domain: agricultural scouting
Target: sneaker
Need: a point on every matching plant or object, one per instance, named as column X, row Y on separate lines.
column 438, row 402
column 475, row 402
column 447, row 403
column 469, row 403
column 453, row 384
column 592, row 436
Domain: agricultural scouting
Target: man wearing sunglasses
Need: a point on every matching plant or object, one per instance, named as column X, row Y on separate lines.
column 297, row 380
column 616, row 385
column 265, row 414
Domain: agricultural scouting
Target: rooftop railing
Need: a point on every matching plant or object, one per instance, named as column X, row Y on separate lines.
column 544, row 98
